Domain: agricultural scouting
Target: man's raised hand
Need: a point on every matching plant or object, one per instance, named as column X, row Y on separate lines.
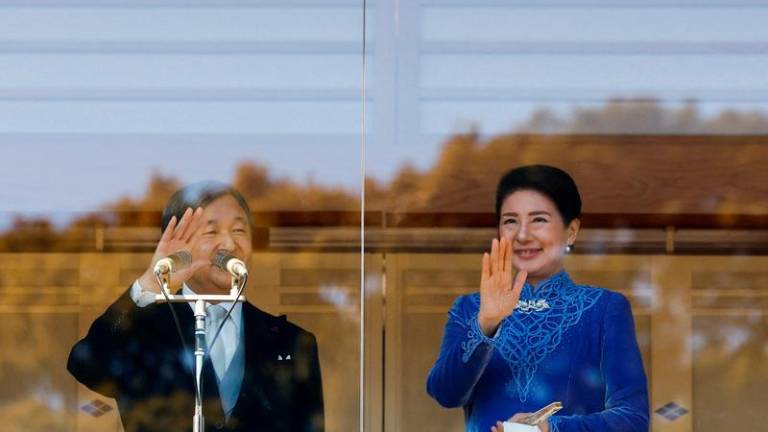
column 176, row 237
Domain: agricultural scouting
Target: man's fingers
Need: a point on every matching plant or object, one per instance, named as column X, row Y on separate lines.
column 198, row 264
column 194, row 224
column 182, row 275
column 168, row 233
column 183, row 223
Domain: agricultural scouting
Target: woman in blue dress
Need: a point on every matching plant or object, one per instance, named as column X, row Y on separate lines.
column 538, row 337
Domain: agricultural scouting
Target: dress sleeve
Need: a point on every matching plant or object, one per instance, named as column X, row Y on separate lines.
column 626, row 388
column 97, row 360
column 464, row 354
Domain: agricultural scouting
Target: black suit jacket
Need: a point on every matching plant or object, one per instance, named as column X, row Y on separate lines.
column 135, row 355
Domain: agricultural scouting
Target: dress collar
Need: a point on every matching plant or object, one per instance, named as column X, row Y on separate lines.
column 547, row 286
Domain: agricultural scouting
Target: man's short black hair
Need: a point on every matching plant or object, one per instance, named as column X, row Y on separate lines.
column 550, row 181
column 200, row 195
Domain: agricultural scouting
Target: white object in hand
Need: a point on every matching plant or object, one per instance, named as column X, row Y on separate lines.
column 519, row 427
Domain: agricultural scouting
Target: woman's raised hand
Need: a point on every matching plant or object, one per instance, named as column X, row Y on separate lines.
column 498, row 292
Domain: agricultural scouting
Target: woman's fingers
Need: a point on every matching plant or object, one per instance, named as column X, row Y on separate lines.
column 517, row 285
column 494, row 256
column 485, row 272
column 517, row 417
column 507, row 257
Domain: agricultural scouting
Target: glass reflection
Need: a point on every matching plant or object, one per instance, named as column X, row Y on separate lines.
column 662, row 124
column 107, row 110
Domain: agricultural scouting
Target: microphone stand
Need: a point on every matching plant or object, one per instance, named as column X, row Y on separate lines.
column 201, row 302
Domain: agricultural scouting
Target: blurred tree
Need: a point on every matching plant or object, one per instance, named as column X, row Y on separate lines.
column 462, row 177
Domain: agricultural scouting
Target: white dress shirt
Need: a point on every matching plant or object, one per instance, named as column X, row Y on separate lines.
column 230, row 335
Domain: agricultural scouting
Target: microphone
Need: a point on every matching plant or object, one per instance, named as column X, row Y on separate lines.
column 228, row 262
column 173, row 262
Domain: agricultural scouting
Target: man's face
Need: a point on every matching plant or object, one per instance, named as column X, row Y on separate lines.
column 225, row 227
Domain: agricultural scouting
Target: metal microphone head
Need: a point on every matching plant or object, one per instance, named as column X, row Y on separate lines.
column 230, row 263
column 221, row 258
column 173, row 262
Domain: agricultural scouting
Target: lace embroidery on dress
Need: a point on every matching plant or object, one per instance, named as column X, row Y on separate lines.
column 475, row 337
column 531, row 333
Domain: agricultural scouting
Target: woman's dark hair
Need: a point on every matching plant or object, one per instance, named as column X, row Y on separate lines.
column 550, row 181
column 200, row 195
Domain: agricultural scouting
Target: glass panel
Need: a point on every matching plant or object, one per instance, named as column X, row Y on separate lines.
column 660, row 115
column 107, row 109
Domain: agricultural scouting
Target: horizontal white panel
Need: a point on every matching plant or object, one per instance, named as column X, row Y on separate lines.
column 595, row 24
column 180, row 117
column 176, row 24
column 495, row 117
column 613, row 72
column 83, row 71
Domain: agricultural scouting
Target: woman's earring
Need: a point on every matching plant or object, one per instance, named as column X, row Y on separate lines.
column 568, row 248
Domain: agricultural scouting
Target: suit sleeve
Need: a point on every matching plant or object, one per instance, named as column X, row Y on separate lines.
column 310, row 387
column 97, row 360
column 464, row 355
column 626, row 389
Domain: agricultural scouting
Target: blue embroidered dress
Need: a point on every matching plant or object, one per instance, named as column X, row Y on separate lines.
column 564, row 342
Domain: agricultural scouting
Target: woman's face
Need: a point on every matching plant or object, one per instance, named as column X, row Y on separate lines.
column 534, row 227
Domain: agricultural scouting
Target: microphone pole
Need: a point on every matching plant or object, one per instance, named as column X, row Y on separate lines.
column 163, row 269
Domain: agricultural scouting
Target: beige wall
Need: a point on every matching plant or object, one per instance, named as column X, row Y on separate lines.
column 701, row 324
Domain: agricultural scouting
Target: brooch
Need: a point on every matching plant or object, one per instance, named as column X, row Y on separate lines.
column 528, row 306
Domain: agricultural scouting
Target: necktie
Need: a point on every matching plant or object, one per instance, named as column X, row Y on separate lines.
column 226, row 356
column 222, row 351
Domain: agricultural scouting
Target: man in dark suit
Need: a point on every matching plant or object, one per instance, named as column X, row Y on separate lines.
column 263, row 372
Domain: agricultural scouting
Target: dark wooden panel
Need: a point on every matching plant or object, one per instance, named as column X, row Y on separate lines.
column 338, row 298
column 428, row 278
column 616, row 280
column 729, row 373
column 339, row 348
column 757, row 280
column 744, row 303
column 444, row 300
column 421, row 337
column 39, row 277
column 38, row 394
column 296, row 277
